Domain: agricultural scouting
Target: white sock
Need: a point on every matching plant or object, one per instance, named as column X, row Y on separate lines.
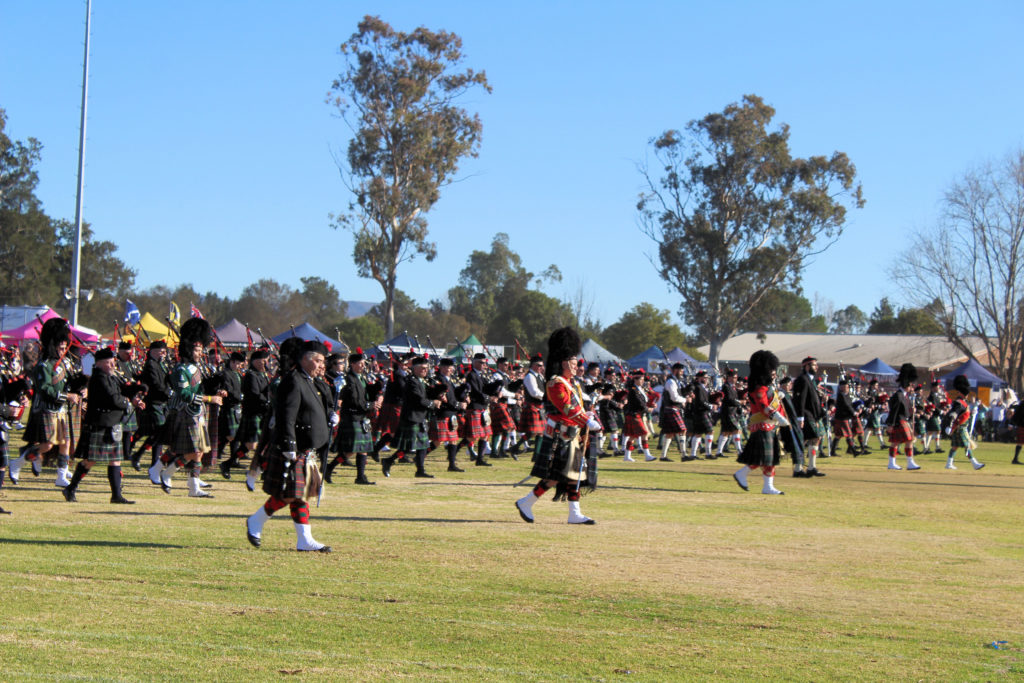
column 722, row 440
column 664, row 447
column 707, row 444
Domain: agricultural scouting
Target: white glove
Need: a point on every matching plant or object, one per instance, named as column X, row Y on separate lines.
column 334, row 420
column 593, row 425
column 781, row 420
column 289, row 455
column 949, row 430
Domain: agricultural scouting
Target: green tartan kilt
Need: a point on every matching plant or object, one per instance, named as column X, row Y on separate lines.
column 185, row 433
column 47, row 427
column 960, row 438
column 251, row 428
column 762, row 449
column 412, row 437
column 130, row 421
column 353, row 438
column 230, row 420
column 99, row 445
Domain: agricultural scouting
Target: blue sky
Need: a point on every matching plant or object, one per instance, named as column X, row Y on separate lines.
column 209, row 154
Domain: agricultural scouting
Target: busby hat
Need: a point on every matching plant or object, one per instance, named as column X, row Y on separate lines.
column 195, row 330
column 907, row 376
column 762, row 363
column 54, row 332
column 962, row 384
column 563, row 344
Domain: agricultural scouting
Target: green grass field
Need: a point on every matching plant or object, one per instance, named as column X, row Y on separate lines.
column 865, row 574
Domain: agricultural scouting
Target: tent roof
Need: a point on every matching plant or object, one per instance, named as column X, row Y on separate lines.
column 233, row 332
column 30, row 330
column 976, row 373
column 307, row 332
column 593, row 352
column 878, row 367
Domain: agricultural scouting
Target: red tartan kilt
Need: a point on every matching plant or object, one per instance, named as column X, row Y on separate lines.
column 858, row 426
column 441, row 431
column 635, row 425
column 672, row 421
column 1020, row 435
column 901, row 433
column 532, row 420
column 474, row 428
column 387, row 419
column 842, row 429
column 501, row 420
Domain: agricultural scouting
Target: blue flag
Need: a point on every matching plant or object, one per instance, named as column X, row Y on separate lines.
column 131, row 313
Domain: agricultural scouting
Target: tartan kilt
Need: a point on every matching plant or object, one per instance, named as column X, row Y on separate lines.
column 920, row 427
column 284, row 479
column 934, row 424
column 251, row 428
column 873, row 421
column 702, row 423
column 412, row 437
column 858, row 426
column 130, row 421
column 388, row 418
column 185, row 433
column 532, row 420
column 441, row 430
column 761, row 449
column 48, row 427
column 474, row 428
column 842, row 429
column 212, row 416
column 551, row 459
column 635, row 425
column 98, row 446
column 515, row 410
column 901, row 433
column 501, row 420
column 812, row 429
column 153, row 419
column 729, row 421
column 959, row 438
column 352, row 438
column 230, row 420
column 672, row 421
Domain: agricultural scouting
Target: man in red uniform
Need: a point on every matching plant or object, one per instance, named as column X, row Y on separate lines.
column 763, row 448
column 959, row 436
column 561, row 457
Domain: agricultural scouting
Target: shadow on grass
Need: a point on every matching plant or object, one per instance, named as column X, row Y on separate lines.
column 89, row 544
column 911, row 482
column 316, row 517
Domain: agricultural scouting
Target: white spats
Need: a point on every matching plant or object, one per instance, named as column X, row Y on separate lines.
column 305, row 538
column 254, row 525
column 892, row 464
column 769, row 486
column 977, row 465
column 14, row 468
column 740, row 476
column 195, row 489
column 62, row 478
column 911, row 465
column 628, row 458
column 647, row 455
column 154, row 472
column 250, row 480
column 950, row 465
column 577, row 517
column 525, row 506
column 166, row 473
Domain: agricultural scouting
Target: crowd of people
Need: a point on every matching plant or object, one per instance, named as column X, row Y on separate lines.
column 298, row 412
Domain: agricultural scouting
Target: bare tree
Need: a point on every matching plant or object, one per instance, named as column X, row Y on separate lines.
column 971, row 263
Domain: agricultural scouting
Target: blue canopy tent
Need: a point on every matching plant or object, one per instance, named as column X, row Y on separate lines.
column 677, row 355
column 592, row 352
column 307, row 332
column 878, row 367
column 400, row 345
column 976, row 374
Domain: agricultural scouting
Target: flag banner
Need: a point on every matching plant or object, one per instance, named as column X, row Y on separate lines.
column 174, row 314
column 131, row 313
column 196, row 313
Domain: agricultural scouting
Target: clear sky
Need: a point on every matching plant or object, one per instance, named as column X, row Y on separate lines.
column 210, row 148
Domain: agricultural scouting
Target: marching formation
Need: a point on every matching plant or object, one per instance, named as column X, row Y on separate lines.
column 297, row 412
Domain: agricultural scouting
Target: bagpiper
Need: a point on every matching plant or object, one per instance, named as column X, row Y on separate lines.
column 961, row 414
column 762, row 450
column 901, row 417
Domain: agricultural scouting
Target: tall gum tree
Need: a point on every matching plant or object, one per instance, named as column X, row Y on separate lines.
column 734, row 215
column 398, row 94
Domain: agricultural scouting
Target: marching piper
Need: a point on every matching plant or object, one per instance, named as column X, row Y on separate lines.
column 961, row 414
column 901, row 417
column 762, row 450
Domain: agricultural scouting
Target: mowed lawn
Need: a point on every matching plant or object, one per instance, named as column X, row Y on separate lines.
column 866, row 574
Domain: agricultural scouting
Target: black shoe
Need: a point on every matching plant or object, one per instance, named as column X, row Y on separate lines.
column 665, row 459
column 385, row 466
column 225, row 469
column 325, row 549
column 37, row 466
column 69, row 495
column 480, row 462
column 121, row 500
column 375, row 455
column 166, row 487
column 424, row 475
column 802, row 474
column 362, row 480
column 815, row 473
column 136, row 464
column 255, row 541
column 4, row 512
column 329, row 470
column 455, row 468
column 1015, row 461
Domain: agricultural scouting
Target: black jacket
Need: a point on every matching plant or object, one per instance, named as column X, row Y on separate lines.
column 255, row 393
column 301, row 414
column 415, row 403
column 154, row 376
column 106, row 404
column 477, row 398
column 806, row 399
column 354, row 403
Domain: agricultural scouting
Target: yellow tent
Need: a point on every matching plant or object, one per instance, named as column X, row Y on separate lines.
column 153, row 330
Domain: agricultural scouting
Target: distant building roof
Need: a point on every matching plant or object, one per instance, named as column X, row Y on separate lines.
column 853, row 350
